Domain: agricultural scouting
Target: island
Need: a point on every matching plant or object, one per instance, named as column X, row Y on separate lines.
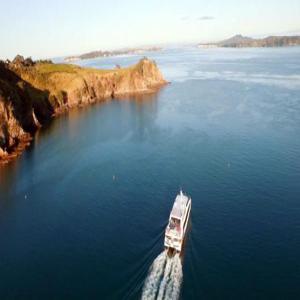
column 100, row 53
column 239, row 41
column 33, row 92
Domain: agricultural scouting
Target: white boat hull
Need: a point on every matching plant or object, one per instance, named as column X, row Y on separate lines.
column 174, row 238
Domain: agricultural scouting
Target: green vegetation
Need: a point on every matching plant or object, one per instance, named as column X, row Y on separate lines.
column 51, row 68
column 67, row 68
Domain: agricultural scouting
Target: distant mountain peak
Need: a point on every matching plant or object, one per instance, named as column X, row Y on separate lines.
column 238, row 38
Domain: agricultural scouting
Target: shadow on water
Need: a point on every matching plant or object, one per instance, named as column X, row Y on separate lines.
column 7, row 178
column 141, row 109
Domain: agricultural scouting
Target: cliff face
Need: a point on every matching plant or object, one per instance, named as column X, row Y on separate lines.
column 32, row 94
column 16, row 111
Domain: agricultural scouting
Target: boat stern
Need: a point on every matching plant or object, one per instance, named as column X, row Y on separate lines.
column 173, row 243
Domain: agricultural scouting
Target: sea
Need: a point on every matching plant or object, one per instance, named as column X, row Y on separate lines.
column 84, row 209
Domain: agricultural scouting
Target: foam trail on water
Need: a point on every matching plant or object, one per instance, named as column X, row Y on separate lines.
column 164, row 278
column 154, row 277
column 173, row 288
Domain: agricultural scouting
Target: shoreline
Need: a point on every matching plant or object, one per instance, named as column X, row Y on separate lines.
column 17, row 151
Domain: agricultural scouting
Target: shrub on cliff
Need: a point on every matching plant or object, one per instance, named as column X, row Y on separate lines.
column 20, row 61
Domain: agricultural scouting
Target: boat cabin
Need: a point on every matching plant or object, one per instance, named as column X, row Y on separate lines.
column 178, row 213
column 174, row 224
column 178, row 220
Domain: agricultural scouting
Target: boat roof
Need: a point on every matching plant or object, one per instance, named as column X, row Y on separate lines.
column 179, row 205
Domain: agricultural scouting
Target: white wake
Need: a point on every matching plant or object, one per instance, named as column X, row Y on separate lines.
column 164, row 278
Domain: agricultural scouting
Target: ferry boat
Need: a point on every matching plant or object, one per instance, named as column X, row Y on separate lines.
column 178, row 221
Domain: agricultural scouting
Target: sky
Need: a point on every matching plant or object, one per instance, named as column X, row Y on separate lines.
column 45, row 29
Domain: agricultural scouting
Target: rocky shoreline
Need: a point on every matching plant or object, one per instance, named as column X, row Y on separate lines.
column 32, row 93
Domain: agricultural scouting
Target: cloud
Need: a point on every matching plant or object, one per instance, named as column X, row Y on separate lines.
column 205, row 18
column 191, row 19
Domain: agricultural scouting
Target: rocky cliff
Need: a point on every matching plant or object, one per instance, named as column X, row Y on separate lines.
column 31, row 93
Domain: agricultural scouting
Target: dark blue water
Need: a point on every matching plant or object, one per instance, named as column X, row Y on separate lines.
column 82, row 212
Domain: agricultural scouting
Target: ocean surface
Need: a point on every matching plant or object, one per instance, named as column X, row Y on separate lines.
column 83, row 211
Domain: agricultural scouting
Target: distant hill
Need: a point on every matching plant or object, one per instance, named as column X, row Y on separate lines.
column 239, row 41
column 236, row 40
column 100, row 53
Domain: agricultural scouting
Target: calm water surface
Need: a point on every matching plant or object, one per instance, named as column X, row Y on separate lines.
column 82, row 212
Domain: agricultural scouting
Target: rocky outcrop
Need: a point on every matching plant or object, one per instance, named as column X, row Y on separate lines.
column 31, row 93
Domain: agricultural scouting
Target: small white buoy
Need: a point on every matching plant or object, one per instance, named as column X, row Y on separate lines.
column 114, row 177
column 25, row 197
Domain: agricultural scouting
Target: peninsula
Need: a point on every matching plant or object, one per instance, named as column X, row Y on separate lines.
column 31, row 93
column 239, row 41
column 100, row 53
